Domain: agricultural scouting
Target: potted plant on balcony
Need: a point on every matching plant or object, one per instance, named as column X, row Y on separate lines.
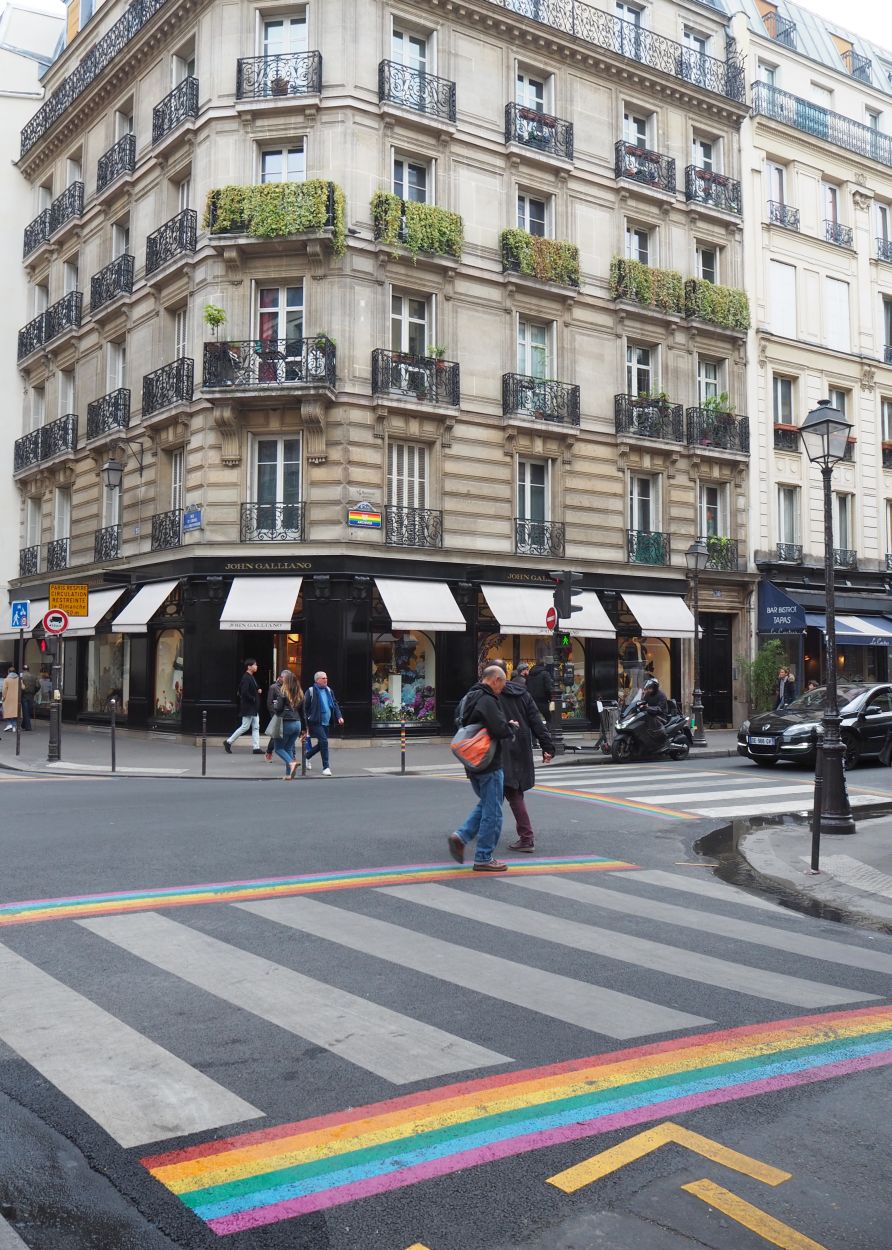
column 715, row 417
column 438, row 356
column 279, row 85
column 214, row 317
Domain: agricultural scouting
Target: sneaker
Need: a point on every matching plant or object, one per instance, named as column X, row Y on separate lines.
column 456, row 848
column 520, row 845
column 269, row 757
column 309, row 766
column 491, row 865
column 326, row 772
column 227, row 746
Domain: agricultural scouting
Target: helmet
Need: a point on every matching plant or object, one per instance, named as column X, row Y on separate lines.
column 652, row 684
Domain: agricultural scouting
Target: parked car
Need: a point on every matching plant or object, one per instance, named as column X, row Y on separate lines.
column 791, row 733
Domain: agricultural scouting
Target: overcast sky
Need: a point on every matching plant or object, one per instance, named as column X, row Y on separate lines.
column 870, row 18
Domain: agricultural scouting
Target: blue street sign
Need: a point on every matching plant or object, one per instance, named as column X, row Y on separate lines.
column 191, row 519
column 19, row 611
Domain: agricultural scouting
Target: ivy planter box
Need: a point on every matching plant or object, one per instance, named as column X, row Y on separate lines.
column 548, row 260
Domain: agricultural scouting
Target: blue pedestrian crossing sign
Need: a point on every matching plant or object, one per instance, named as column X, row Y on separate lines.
column 19, row 611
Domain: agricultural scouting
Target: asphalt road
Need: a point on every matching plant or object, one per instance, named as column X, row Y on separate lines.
column 473, row 1018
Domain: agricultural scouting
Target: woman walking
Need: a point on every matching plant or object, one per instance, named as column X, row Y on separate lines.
column 290, row 706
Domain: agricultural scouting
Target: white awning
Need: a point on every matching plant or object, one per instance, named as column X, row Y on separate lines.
column 101, row 602
column 38, row 611
column 135, row 617
column 661, row 616
column 522, row 610
column 260, row 603
column 420, row 605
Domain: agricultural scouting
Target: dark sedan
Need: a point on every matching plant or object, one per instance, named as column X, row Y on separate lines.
column 791, row 733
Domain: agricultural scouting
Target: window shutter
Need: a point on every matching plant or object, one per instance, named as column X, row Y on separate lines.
column 836, row 314
column 782, row 295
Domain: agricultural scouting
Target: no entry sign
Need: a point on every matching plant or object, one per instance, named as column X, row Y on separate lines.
column 551, row 618
column 55, row 621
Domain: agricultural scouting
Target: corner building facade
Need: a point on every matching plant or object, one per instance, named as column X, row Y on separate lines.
column 378, row 329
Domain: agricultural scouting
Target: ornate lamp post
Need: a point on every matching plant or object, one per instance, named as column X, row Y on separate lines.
column 825, row 432
column 697, row 556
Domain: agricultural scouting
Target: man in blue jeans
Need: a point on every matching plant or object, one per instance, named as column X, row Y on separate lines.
column 482, row 707
column 321, row 708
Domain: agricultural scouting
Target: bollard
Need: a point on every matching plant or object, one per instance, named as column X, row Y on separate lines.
column 113, row 709
column 204, row 744
column 402, row 748
column 303, row 756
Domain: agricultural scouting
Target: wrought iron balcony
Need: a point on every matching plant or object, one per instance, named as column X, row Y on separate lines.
column 65, row 314
column 887, row 455
column 648, row 418
column 283, row 74
column 704, row 186
column 298, row 207
column 50, row 440
column 109, row 413
column 856, row 64
column 26, row 451
column 641, row 165
column 887, row 354
column 538, row 538
column 539, row 131
column 424, row 378
column 29, row 561
column 412, row 527
column 780, row 29
column 107, row 543
column 270, row 362
column 32, row 336
column 272, row 522
column 174, row 238
column 171, row 384
column 884, row 249
column 36, row 232
column 845, row 558
column 167, row 530
column 176, row 107
column 721, row 553
column 114, row 280
column 786, row 438
column 648, row 547
column 835, row 232
column 815, row 120
column 119, row 159
column 783, row 215
column 540, row 398
column 416, row 89
column 888, row 562
column 58, row 555
column 717, row 429
column 789, row 553
column 65, row 206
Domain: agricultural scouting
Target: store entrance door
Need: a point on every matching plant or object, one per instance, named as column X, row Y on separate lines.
column 716, row 668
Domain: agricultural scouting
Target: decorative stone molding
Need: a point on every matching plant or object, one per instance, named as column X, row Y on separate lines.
column 429, row 427
column 226, row 421
column 317, row 253
column 868, row 379
column 312, row 413
column 862, row 199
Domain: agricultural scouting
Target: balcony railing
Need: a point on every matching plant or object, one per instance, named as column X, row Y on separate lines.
column 65, row 206
column 107, row 543
column 176, row 107
column 174, row 238
column 835, row 232
column 275, row 209
column 540, row 398
column 58, row 554
column 270, row 362
column 845, row 558
column 884, row 249
column 26, row 451
column 65, row 314
column 114, row 280
column 783, row 215
column 50, row 440
column 815, row 120
column 171, row 384
column 781, row 29
column 648, row 547
column 856, row 64
column 108, row 413
column 648, row 418
column 641, row 165
column 888, row 562
column 722, row 554
column 539, row 131
column 424, row 378
column 704, row 186
column 29, row 561
column 538, row 538
column 167, row 530
column 119, row 159
column 887, row 455
column 416, row 89
column 282, row 74
column 723, row 431
column 413, row 527
column 786, row 438
column 272, row 522
column 789, row 553
column 36, row 232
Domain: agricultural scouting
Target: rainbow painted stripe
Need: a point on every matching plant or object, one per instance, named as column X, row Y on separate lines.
column 608, row 800
column 262, row 1177
column 76, row 908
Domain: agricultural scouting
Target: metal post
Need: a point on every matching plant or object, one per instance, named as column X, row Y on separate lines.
column 699, row 736
column 204, row 744
column 817, row 805
column 54, row 749
column 402, row 747
column 18, row 723
column 557, row 723
column 113, row 708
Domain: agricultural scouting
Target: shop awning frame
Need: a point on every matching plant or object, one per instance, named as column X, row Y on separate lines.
column 522, row 610
column 261, row 603
column 855, row 631
column 100, row 604
column 422, row 605
column 135, row 617
column 661, row 616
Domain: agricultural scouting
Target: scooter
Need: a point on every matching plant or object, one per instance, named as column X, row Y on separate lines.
column 632, row 740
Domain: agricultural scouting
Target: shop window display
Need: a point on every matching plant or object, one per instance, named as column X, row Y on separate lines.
column 169, row 676
column 510, row 649
column 108, row 673
column 403, row 678
column 640, row 658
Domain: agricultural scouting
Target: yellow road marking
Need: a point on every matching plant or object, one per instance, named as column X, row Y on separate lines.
column 600, row 1165
column 758, row 1222
column 417, row 1246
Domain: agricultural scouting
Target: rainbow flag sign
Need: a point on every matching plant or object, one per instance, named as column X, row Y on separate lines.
column 364, row 516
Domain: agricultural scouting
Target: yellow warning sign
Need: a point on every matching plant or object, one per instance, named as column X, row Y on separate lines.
column 71, row 598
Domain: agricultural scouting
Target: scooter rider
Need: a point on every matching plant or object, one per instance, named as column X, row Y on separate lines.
column 656, row 706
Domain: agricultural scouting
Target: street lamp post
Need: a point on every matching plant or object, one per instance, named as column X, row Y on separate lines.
column 825, row 432
column 697, row 556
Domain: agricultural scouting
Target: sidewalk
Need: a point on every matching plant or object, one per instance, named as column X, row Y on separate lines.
column 86, row 751
column 856, row 869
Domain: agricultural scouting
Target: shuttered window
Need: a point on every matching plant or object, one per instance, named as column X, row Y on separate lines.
column 782, row 294
column 407, row 476
column 836, row 314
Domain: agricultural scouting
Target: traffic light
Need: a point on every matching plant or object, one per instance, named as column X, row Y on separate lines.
column 565, row 592
column 38, row 633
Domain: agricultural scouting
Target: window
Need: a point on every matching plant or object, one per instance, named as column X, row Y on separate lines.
column 637, row 244
column 532, row 215
column 886, row 410
column 788, row 514
column 708, row 379
column 177, row 459
column 636, row 129
column 889, row 525
column 276, row 484
column 283, row 164
column 41, row 297
column 782, row 389
column 66, row 392
column 44, row 195
column 285, row 34
column 410, row 50
column 630, row 16
column 407, row 475
column 409, row 324
column 840, row 400
column 836, row 314
column 532, row 348
column 124, row 121
column 640, row 370
column 530, row 92
column 280, row 313
column 70, row 274
column 887, row 327
column 777, row 183
column 182, row 66
column 121, row 237
column 706, row 154
column 712, row 510
column 628, row 12
column 882, row 211
column 822, row 96
column 842, row 522
column 767, row 74
column 873, row 119
column 117, row 366
column 642, row 503
column 32, row 522
column 708, row 263
column 184, row 194
column 62, row 513
column 73, row 170
column 782, row 297
column 532, row 490
column 830, row 196
column 411, row 180
column 38, row 407
column 111, row 507
column 180, row 333
column 694, row 62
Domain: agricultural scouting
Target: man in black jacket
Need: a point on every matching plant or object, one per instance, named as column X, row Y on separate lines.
column 481, row 706
column 249, row 709
column 540, row 684
column 517, row 758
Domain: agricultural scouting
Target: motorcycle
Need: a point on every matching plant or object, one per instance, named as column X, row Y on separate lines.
column 632, row 738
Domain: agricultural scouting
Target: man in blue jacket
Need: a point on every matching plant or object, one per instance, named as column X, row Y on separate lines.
column 321, row 709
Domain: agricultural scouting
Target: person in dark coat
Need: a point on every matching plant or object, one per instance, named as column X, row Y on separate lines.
column 249, row 709
column 540, row 684
column 517, row 757
column 481, row 706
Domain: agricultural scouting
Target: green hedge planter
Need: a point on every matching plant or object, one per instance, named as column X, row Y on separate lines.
column 721, row 305
column 277, row 209
column 546, row 259
column 418, row 227
column 656, row 288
